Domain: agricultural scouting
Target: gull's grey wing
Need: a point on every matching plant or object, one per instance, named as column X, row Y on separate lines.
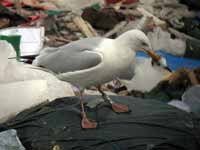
column 78, row 55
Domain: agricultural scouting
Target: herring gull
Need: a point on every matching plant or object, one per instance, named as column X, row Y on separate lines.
column 95, row 61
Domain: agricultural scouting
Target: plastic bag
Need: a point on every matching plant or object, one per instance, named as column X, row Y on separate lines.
column 161, row 40
column 143, row 81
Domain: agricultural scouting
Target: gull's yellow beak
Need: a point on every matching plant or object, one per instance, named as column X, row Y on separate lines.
column 157, row 59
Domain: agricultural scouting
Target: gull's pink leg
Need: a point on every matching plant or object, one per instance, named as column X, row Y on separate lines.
column 116, row 107
column 85, row 122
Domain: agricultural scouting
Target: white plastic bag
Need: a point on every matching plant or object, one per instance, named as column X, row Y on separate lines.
column 18, row 96
column 146, row 77
column 161, row 40
column 23, row 86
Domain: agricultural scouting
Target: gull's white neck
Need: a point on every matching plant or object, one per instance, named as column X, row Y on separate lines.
column 124, row 43
column 123, row 50
column 124, row 46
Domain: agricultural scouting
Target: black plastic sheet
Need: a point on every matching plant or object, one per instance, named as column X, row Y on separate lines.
column 151, row 125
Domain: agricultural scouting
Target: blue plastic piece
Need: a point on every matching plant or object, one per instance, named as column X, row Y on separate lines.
column 175, row 62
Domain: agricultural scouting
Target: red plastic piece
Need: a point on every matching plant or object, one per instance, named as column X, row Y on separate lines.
column 6, row 3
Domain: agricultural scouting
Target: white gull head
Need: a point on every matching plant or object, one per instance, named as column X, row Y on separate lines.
column 134, row 40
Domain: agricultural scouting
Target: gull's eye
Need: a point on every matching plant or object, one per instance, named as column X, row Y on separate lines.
column 144, row 44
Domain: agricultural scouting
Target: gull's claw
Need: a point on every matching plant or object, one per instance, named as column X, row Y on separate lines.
column 119, row 108
column 87, row 124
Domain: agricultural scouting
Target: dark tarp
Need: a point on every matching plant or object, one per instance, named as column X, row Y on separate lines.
column 151, row 125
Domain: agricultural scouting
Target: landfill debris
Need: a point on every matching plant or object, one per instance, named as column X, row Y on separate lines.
column 16, row 71
column 86, row 28
column 104, row 19
column 117, row 4
column 21, row 95
column 174, row 85
column 167, row 10
column 20, row 4
column 191, row 3
column 10, row 141
column 191, row 27
column 15, row 41
column 146, row 24
column 192, row 49
column 9, row 18
column 32, row 39
column 32, row 25
column 124, row 1
column 54, row 126
column 75, row 5
column 4, row 22
column 6, row 52
column 180, row 105
column 19, row 81
column 190, row 101
column 192, row 98
column 142, row 81
column 162, row 86
column 119, row 27
column 162, row 40
column 157, row 21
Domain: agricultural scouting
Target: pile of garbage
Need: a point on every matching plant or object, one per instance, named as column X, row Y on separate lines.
column 29, row 26
column 172, row 26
